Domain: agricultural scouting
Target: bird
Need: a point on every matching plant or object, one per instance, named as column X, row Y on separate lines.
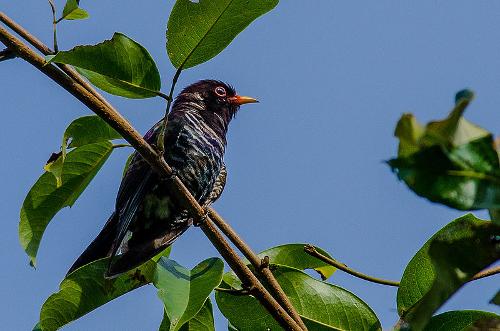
column 148, row 217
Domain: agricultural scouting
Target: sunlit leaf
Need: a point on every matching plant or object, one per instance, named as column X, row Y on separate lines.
column 87, row 130
column 86, row 289
column 322, row 306
column 71, row 11
column 202, row 321
column 185, row 291
column 198, row 31
column 45, row 198
column 447, row 261
column 119, row 66
column 452, row 161
column 463, row 320
column 293, row 255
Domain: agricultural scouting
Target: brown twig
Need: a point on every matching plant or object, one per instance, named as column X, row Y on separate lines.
column 262, row 268
column 309, row 249
column 120, row 124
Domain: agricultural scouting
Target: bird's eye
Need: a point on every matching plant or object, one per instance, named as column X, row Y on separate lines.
column 220, row 91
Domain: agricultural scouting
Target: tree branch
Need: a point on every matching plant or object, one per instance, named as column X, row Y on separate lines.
column 120, row 124
column 262, row 269
column 309, row 249
column 7, row 54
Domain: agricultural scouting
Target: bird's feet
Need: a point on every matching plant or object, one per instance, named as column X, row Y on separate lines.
column 200, row 221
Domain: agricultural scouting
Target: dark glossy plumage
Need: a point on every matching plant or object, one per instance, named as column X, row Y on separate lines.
column 147, row 217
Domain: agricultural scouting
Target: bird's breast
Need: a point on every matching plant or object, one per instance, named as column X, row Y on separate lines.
column 197, row 156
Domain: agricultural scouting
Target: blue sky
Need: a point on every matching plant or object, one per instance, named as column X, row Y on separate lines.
column 305, row 165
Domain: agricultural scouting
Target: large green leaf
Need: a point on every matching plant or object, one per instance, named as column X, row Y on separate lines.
column 119, row 66
column 202, row 321
column 322, row 306
column 46, row 198
column 71, row 11
column 198, row 31
column 293, row 255
column 496, row 299
column 86, row 289
column 447, row 261
column 452, row 161
column 464, row 320
column 184, row 291
column 87, row 130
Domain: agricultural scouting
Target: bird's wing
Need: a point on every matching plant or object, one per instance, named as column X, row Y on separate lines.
column 219, row 185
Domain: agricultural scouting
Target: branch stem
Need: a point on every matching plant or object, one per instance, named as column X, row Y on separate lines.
column 121, row 125
column 264, row 271
column 309, row 249
column 54, row 23
column 161, row 137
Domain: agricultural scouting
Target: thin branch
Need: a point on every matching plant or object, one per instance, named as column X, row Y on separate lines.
column 262, row 268
column 486, row 273
column 232, row 291
column 54, row 23
column 309, row 249
column 161, row 137
column 120, row 124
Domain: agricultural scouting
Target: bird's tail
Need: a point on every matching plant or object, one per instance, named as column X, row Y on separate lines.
column 101, row 247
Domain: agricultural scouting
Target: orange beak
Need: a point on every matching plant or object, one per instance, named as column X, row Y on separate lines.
column 240, row 100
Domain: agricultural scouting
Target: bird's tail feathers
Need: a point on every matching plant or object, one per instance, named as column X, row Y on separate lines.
column 100, row 247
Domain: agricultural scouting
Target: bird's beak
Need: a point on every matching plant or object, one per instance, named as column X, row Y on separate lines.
column 240, row 100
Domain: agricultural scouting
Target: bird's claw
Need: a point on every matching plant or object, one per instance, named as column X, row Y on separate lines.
column 199, row 222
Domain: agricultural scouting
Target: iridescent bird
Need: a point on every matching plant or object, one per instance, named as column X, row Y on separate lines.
column 147, row 216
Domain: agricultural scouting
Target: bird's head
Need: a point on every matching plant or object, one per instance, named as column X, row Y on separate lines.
column 215, row 101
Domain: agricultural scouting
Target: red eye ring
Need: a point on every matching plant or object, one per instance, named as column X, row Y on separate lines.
column 220, row 91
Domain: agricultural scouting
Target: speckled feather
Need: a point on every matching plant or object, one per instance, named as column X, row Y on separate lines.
column 147, row 217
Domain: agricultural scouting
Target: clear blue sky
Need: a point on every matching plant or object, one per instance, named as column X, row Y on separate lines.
column 305, row 165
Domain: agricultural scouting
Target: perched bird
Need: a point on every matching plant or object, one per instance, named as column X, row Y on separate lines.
column 147, row 217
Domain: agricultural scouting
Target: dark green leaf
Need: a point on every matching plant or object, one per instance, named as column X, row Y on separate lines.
column 198, row 31
column 452, row 161
column 86, row 289
column 447, row 261
column 71, row 11
column 463, row 320
column 496, row 299
column 202, row 321
column 37, row 327
column 88, row 130
column 45, row 198
column 54, row 165
column 322, row 306
column 293, row 255
column 127, row 163
column 184, row 291
column 119, row 66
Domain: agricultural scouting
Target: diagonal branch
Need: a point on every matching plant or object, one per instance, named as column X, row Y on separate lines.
column 260, row 267
column 120, row 124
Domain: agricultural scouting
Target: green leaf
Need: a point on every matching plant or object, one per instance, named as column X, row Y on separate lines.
column 37, row 327
column 118, row 66
column 202, row 321
column 463, row 320
column 198, row 31
column 54, row 165
column 45, row 198
column 184, row 291
column 71, row 11
column 466, row 177
column 293, row 255
column 322, row 306
column 496, row 299
column 88, row 130
column 127, row 163
column 86, row 289
column 452, row 161
column 447, row 261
